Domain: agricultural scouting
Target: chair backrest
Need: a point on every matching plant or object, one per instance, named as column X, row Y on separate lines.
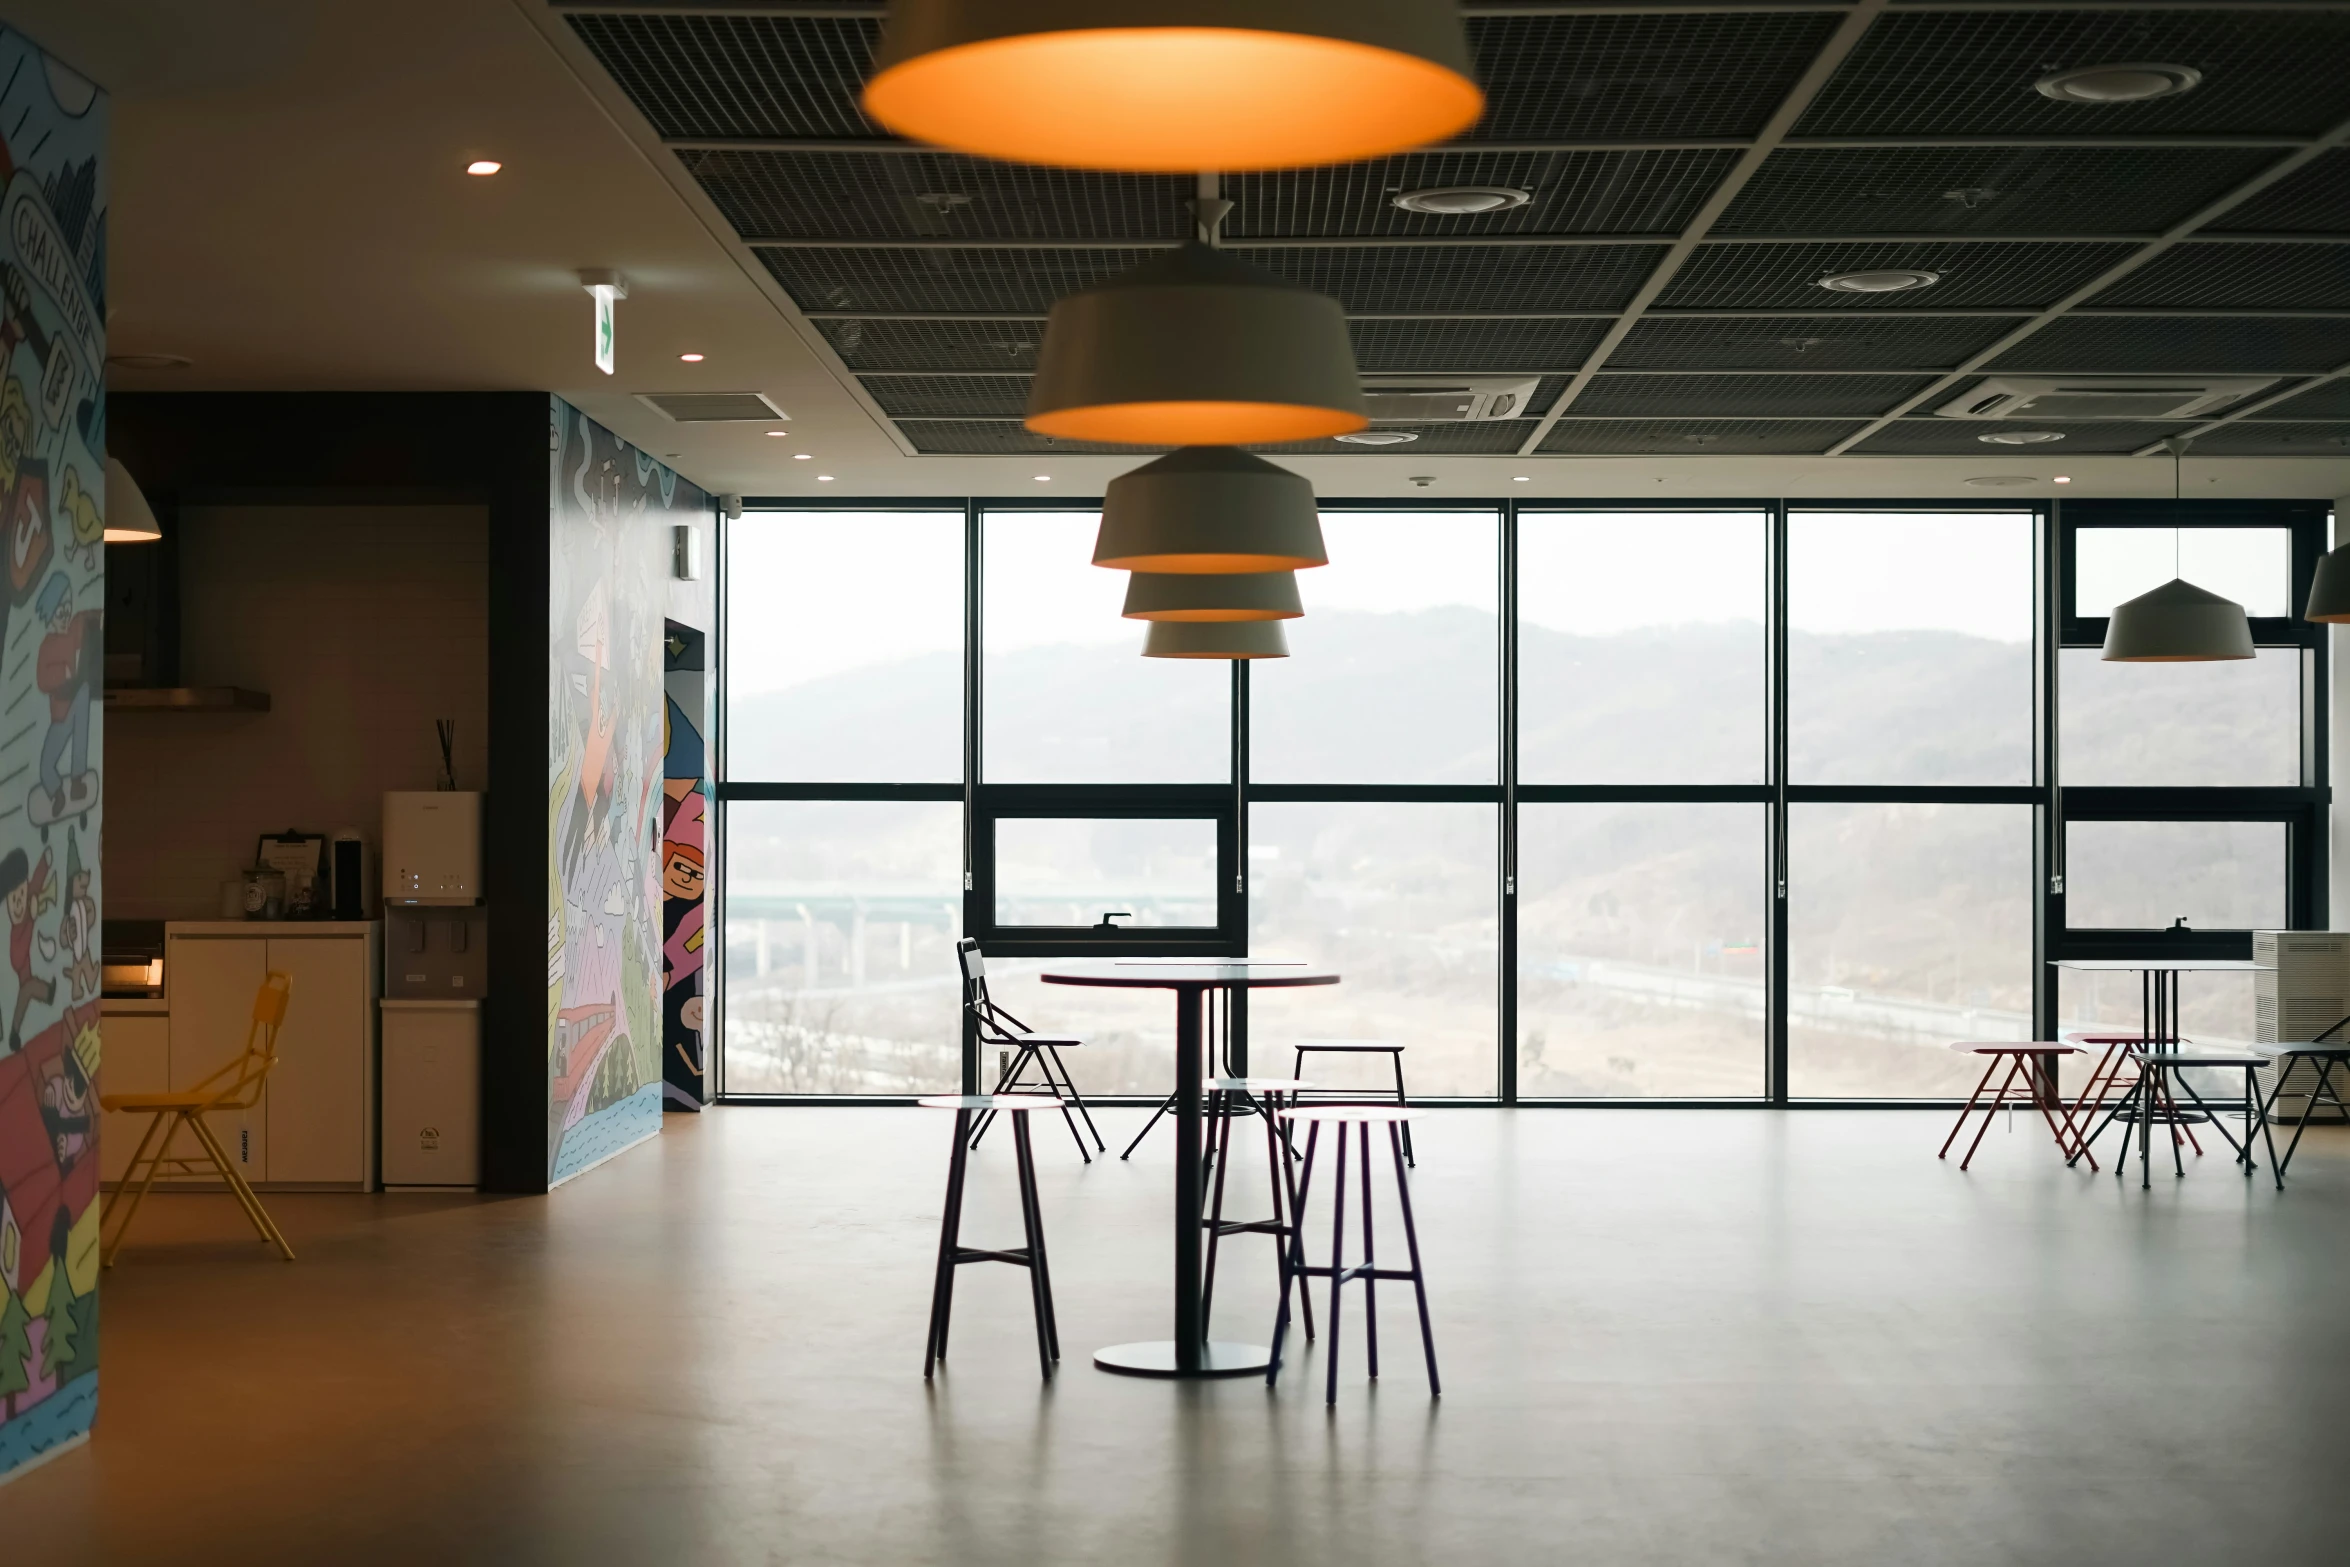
column 995, row 1024
column 237, row 1086
column 974, row 971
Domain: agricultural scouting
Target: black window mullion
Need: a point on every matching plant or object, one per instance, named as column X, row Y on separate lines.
column 1506, row 1075
column 1775, row 810
column 973, row 738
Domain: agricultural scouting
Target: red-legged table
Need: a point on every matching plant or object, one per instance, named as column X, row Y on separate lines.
column 1188, row 1354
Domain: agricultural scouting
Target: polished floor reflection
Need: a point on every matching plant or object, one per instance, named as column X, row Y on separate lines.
column 1667, row 1337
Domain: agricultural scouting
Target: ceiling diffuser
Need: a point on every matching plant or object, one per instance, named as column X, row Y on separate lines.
column 1209, row 509
column 1196, row 348
column 1175, row 86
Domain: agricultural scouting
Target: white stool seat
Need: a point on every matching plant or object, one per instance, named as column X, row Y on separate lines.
column 1011, row 1104
column 1351, row 1114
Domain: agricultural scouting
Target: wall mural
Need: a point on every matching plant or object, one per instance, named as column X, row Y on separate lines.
column 52, row 654
column 684, row 843
column 611, row 508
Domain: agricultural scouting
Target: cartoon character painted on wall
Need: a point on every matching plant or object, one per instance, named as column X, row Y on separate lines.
column 683, row 877
column 30, row 890
column 77, row 928
column 72, row 656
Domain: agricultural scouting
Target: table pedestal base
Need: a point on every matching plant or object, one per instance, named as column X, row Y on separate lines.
column 1157, row 1359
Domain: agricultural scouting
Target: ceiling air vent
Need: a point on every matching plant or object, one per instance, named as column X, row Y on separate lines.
column 2101, row 397
column 714, row 407
column 1447, row 399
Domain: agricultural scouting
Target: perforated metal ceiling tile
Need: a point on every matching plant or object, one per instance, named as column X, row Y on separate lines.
column 2315, row 199
column 949, row 396
column 899, row 195
column 1972, row 72
column 1495, row 346
column 2247, row 438
column 738, row 75
column 1482, row 438
column 1695, row 437
column 1571, row 77
column 1005, row 437
column 1449, row 277
column 1785, row 396
column 935, row 345
column 2239, row 277
column 2166, row 345
column 1021, row 281
column 1755, row 276
column 1882, row 340
column 1985, row 190
column 1570, row 193
column 2326, row 400
column 1932, row 437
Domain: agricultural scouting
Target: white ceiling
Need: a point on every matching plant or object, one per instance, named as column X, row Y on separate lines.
column 290, row 211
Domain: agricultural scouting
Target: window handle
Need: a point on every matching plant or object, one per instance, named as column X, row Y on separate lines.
column 1114, row 914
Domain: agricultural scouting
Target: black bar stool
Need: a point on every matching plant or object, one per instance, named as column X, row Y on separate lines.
column 2324, row 1057
column 1229, row 1099
column 1362, row 1118
column 952, row 1253
column 2174, row 1062
column 1357, row 1047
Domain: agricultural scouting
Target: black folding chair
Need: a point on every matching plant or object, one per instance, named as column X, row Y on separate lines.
column 1024, row 1048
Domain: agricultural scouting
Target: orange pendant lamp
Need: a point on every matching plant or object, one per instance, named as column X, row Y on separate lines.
column 1172, row 86
column 1196, row 348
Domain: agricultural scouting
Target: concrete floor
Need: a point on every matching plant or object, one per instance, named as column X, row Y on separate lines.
column 1667, row 1337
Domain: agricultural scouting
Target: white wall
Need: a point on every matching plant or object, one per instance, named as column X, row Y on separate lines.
column 364, row 624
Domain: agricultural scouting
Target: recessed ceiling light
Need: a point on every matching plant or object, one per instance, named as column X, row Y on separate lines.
column 2020, row 437
column 484, row 166
column 149, row 361
column 1379, row 437
column 1044, row 478
column 1520, row 478
column 2133, row 83
column 1883, row 280
column 777, row 435
column 1998, row 480
column 824, row 478
column 691, row 359
column 796, row 456
column 1454, row 201
column 2064, row 478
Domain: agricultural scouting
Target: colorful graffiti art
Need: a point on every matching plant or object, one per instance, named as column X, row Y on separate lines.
column 52, row 651
column 685, row 794
column 609, row 534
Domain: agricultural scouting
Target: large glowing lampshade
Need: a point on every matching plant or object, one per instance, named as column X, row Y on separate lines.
column 1202, row 597
column 1195, row 348
column 1174, row 86
column 1209, row 509
column 1215, row 639
column 2177, row 623
column 129, row 519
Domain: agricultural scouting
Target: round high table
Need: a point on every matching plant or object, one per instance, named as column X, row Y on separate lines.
column 1188, row 1354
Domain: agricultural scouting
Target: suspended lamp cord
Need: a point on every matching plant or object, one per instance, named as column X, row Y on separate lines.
column 2178, row 463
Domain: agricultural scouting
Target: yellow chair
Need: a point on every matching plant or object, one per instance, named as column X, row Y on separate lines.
column 236, row 1086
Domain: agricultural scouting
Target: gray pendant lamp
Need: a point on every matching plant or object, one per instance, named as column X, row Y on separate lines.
column 1209, row 510
column 1170, row 86
column 1195, row 348
column 2329, row 590
column 1215, row 639
column 129, row 519
column 2177, row 623
column 1201, row 597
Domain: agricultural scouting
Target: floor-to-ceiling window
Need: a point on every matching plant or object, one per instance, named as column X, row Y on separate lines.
column 1586, row 802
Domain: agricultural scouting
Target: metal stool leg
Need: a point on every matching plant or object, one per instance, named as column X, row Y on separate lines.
column 1337, row 1257
column 1370, row 1264
column 1040, row 1288
column 1991, row 1066
column 1278, row 1155
column 1411, row 1238
column 1219, row 1109
column 1396, row 1059
column 1004, row 1085
column 1293, row 1256
column 1991, row 1112
column 1077, row 1099
column 950, row 1226
column 1165, row 1105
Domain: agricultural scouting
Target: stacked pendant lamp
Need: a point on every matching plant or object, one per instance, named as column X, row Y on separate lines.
column 1195, row 349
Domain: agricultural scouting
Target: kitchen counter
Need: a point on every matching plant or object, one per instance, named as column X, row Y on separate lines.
column 279, row 928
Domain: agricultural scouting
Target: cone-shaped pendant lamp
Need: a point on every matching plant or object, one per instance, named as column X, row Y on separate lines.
column 1171, row 86
column 1215, row 639
column 1195, row 348
column 2177, row 623
column 1209, row 509
column 129, row 519
column 1200, row 597
column 2329, row 590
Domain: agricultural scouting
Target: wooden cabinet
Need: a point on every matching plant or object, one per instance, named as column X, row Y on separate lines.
column 134, row 1057
column 315, row 1124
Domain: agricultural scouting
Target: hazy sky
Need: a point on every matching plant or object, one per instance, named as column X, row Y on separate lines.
column 815, row 593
